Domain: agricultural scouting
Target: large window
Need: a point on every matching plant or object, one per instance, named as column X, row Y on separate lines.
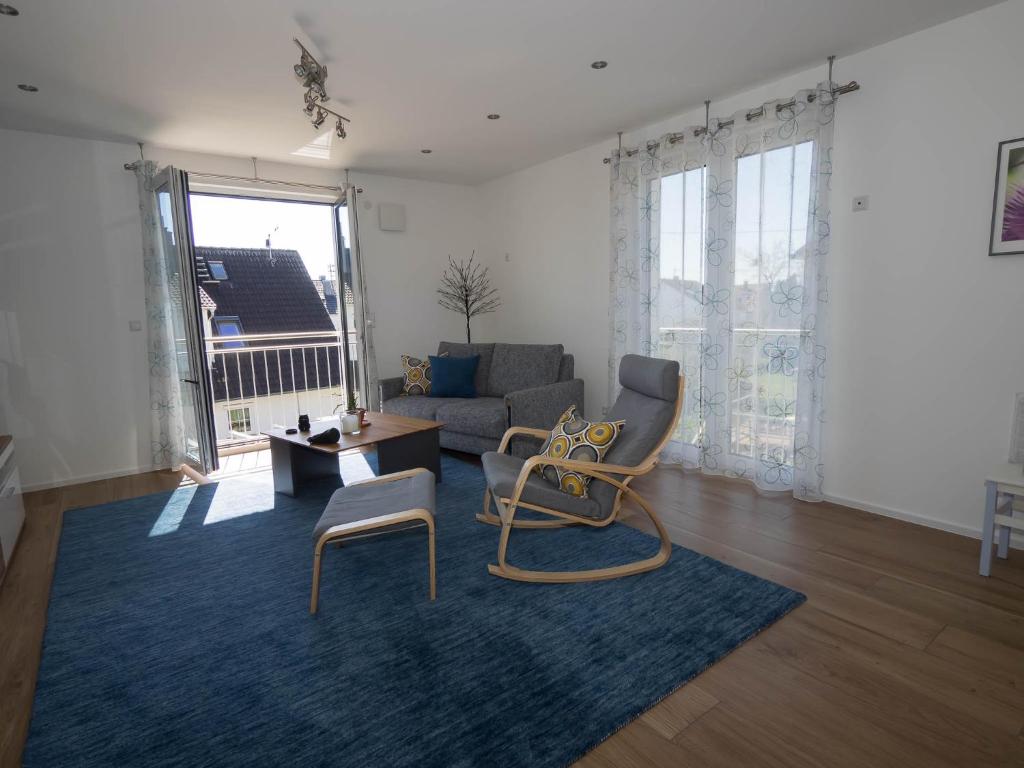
column 772, row 202
column 679, row 310
column 749, row 380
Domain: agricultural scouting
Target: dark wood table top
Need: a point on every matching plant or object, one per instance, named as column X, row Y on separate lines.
column 383, row 426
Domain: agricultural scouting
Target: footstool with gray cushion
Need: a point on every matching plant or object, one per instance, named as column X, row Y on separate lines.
column 385, row 504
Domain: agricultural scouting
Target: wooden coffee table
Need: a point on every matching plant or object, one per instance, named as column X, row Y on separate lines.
column 402, row 443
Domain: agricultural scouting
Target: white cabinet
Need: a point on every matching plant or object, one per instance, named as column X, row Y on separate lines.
column 12, row 512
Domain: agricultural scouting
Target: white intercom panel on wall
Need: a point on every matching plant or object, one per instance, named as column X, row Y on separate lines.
column 392, row 217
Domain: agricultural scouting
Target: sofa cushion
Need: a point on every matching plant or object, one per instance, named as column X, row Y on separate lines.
column 576, row 439
column 483, row 368
column 483, row 416
column 502, row 471
column 453, row 376
column 416, row 374
column 416, row 406
column 522, row 366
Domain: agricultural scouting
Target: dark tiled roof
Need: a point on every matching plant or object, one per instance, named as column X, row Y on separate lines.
column 268, row 295
column 269, row 291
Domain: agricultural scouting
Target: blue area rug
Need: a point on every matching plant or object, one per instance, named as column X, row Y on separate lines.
column 178, row 634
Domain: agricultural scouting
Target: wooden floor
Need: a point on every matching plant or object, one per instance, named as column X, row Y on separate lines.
column 902, row 655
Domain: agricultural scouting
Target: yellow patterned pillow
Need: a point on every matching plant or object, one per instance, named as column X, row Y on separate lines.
column 577, row 439
column 416, row 375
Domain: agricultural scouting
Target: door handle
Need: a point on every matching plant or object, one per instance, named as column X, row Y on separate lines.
column 189, row 381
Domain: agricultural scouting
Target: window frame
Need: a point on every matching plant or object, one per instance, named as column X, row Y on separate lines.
column 234, row 319
column 215, row 263
column 246, row 419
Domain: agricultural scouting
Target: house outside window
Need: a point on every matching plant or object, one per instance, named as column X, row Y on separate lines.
column 240, row 420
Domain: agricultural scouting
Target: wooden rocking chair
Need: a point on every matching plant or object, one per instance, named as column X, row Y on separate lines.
column 649, row 403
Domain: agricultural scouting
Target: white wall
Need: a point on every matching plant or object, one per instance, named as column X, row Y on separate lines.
column 73, row 379
column 552, row 223
column 74, row 386
column 926, row 348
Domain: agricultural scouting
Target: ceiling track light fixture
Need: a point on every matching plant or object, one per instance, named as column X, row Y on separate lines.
column 313, row 76
column 493, row 116
column 8, row 10
column 599, row 65
column 27, row 88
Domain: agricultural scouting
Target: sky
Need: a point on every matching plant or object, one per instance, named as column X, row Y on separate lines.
column 231, row 222
column 770, row 199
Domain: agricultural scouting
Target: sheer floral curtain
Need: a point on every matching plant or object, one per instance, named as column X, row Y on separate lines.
column 719, row 245
column 361, row 296
column 166, row 411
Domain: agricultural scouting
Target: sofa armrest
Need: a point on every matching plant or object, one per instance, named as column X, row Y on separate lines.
column 391, row 388
column 540, row 407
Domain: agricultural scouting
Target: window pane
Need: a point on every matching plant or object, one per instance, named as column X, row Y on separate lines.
column 773, row 196
column 228, row 326
column 240, row 420
column 679, row 317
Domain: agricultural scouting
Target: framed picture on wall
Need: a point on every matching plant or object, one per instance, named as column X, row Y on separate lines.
column 1008, row 205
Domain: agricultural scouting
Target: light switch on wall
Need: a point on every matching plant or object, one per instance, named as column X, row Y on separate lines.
column 134, row 325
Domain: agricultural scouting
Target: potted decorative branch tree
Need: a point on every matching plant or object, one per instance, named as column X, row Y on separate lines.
column 466, row 289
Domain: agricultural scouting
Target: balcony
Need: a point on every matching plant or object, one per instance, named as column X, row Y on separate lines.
column 265, row 380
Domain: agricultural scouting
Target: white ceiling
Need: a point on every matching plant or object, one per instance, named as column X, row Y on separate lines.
column 215, row 75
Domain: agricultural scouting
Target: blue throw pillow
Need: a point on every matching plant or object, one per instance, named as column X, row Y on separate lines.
column 453, row 376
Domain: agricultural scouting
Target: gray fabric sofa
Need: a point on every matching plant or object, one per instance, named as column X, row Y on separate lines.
column 527, row 385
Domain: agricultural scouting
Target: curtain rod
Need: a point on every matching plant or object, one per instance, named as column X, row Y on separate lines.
column 673, row 138
column 250, row 179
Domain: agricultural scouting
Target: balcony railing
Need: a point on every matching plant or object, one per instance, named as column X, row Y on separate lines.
column 265, row 380
column 757, row 421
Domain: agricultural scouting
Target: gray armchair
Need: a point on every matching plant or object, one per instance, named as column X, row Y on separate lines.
column 649, row 403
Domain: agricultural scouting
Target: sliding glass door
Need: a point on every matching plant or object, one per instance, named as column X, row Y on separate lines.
column 171, row 186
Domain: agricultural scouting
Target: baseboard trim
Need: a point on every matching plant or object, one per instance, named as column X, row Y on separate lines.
column 1016, row 541
column 49, row 485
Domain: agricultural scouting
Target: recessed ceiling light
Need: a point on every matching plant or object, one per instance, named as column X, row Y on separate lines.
column 493, row 116
column 599, row 65
column 8, row 10
column 426, row 151
column 28, row 88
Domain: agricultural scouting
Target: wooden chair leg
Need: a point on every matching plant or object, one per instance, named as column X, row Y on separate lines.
column 315, row 598
column 506, row 531
column 506, row 571
column 334, row 536
column 432, row 559
column 487, row 516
